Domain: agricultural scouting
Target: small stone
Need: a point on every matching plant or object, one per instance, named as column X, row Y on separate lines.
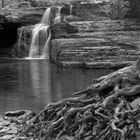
column 1, row 127
column 4, row 130
column 1, row 118
column 4, row 123
column 20, row 138
column 138, row 121
column 139, row 125
column 16, row 113
column 13, row 131
column 7, row 137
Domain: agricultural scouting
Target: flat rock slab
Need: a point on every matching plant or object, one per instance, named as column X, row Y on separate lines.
column 106, row 49
column 4, row 123
column 7, row 137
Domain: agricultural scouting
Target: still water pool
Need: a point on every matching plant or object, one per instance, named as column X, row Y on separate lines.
column 31, row 84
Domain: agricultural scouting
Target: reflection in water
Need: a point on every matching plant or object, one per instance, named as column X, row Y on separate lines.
column 32, row 84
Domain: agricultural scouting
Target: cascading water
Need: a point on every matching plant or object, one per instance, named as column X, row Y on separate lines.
column 41, row 36
column 20, row 32
column 71, row 8
column 58, row 18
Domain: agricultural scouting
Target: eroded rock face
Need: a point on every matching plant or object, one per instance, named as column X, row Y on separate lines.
column 22, row 47
column 108, row 38
column 12, row 122
column 29, row 12
column 25, row 16
column 99, row 44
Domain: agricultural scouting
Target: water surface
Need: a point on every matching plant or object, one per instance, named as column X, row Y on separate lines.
column 31, row 84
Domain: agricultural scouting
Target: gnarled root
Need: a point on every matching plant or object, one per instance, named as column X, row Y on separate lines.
column 104, row 112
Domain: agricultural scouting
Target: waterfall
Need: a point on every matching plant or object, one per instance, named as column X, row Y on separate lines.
column 58, row 18
column 41, row 36
column 46, row 19
column 71, row 8
column 20, row 32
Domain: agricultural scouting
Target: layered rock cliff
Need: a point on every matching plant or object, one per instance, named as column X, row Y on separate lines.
column 97, row 33
column 108, row 38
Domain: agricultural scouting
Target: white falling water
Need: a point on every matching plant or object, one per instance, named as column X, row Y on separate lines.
column 46, row 19
column 58, row 18
column 41, row 36
column 71, row 8
column 20, row 32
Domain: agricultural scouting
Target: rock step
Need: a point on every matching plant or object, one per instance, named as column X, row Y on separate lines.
column 93, row 50
column 107, row 25
column 25, row 4
column 81, row 42
column 5, row 52
column 107, row 34
column 78, row 51
column 92, row 57
column 128, row 42
column 102, row 64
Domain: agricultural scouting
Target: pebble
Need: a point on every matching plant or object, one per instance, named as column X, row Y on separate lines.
column 1, row 127
column 19, row 138
column 11, row 124
column 7, row 137
column 1, row 119
column 4, row 130
column 4, row 123
column 135, row 104
column 13, row 131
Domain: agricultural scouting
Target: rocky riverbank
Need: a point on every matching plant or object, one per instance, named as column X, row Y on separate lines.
column 107, row 109
column 11, row 124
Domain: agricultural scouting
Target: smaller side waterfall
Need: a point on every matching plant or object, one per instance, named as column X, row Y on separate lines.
column 41, row 36
column 71, row 8
column 58, row 18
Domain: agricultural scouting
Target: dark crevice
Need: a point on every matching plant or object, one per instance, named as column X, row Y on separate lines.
column 8, row 34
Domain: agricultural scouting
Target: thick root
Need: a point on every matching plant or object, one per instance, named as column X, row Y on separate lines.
column 101, row 112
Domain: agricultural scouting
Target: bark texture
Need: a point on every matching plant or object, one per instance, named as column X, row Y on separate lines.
column 102, row 111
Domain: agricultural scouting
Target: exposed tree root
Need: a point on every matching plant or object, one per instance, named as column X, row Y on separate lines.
column 101, row 112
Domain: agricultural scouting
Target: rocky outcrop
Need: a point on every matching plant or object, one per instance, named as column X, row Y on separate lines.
column 11, row 124
column 110, row 43
column 27, row 12
column 108, row 37
column 23, row 16
column 22, row 47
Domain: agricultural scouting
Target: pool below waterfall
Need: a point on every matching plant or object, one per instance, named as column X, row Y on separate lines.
column 32, row 84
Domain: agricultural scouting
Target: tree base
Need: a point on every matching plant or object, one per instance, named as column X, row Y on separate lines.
column 101, row 112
